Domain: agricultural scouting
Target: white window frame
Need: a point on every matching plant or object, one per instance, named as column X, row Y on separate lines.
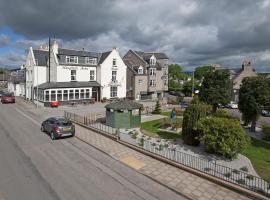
column 73, row 77
column 113, row 91
column 140, row 70
column 91, row 61
column 140, row 81
column 152, row 71
column 114, row 76
column 152, row 83
column 72, row 59
column 114, row 63
column 92, row 75
column 152, row 61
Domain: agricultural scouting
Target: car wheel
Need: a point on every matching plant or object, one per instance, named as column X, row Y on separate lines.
column 52, row 136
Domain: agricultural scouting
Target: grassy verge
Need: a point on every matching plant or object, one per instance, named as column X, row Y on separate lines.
column 259, row 154
column 151, row 129
column 167, row 114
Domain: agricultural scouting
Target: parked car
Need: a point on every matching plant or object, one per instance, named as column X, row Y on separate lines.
column 232, row 105
column 8, row 98
column 58, row 128
column 266, row 113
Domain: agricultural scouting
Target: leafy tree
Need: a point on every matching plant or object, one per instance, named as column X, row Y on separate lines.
column 254, row 95
column 187, row 87
column 200, row 72
column 157, row 108
column 175, row 72
column 191, row 115
column 222, row 136
column 215, row 88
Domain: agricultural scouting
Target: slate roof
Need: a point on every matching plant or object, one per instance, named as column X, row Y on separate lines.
column 124, row 105
column 81, row 53
column 42, row 57
column 147, row 55
column 68, row 85
column 104, row 56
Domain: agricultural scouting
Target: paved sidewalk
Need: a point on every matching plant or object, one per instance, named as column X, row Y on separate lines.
column 186, row 183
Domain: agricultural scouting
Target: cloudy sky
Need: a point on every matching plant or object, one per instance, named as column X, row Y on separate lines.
column 190, row 32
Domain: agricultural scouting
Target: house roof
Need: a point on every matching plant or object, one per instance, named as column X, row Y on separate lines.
column 68, row 85
column 81, row 53
column 147, row 55
column 41, row 56
column 104, row 56
column 124, row 105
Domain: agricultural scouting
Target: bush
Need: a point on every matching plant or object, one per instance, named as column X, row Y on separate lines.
column 266, row 132
column 157, row 108
column 222, row 113
column 191, row 115
column 223, row 136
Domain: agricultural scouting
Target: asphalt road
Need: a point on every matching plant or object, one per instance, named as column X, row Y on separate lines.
column 33, row 167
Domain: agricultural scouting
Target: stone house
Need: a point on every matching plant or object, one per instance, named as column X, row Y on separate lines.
column 147, row 74
column 237, row 75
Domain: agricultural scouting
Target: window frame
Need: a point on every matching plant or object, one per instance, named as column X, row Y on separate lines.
column 92, row 76
column 113, row 91
column 72, row 59
column 72, row 76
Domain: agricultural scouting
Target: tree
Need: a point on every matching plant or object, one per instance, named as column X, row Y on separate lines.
column 222, row 136
column 200, row 72
column 175, row 75
column 157, row 108
column 191, row 115
column 254, row 95
column 215, row 88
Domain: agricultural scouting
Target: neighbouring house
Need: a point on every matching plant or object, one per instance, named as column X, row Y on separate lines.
column 237, row 75
column 147, row 74
column 65, row 75
column 16, row 82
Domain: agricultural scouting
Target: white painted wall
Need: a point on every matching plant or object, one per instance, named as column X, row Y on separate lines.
column 16, row 89
column 82, row 73
column 106, row 75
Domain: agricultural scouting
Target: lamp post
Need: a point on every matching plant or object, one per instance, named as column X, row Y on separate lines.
column 37, row 89
column 192, row 94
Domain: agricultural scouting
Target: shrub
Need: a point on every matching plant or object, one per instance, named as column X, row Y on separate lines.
column 250, row 177
column 223, row 136
column 157, row 108
column 266, row 132
column 222, row 113
column 141, row 142
column 235, row 171
column 191, row 115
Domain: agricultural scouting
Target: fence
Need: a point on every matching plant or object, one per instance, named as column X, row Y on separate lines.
column 241, row 178
column 94, row 121
column 238, row 177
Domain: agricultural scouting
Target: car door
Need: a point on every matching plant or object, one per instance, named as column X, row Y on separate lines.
column 51, row 123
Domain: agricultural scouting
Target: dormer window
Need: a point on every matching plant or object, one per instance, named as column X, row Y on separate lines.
column 152, row 60
column 90, row 61
column 72, row 59
column 140, row 70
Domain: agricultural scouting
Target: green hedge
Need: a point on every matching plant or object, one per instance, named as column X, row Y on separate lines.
column 222, row 136
column 266, row 132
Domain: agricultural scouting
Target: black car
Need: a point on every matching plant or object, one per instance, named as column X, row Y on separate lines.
column 58, row 128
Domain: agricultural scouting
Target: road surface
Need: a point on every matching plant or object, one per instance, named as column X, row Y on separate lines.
column 33, row 167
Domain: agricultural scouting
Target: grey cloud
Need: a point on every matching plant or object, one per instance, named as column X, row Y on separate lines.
column 12, row 59
column 192, row 32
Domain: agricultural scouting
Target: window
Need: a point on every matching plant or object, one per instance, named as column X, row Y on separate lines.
column 82, row 93
column 65, row 95
column 87, row 94
column 114, row 73
column 140, row 81
column 59, row 95
column 113, row 91
column 140, row 70
column 72, row 59
column 90, row 61
column 71, row 94
column 36, row 60
column 47, row 96
column 152, row 83
column 53, row 95
column 77, row 95
column 114, row 62
column 73, row 75
column 92, row 75
column 152, row 60
column 152, row 71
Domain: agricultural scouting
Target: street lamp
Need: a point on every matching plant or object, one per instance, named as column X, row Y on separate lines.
column 192, row 83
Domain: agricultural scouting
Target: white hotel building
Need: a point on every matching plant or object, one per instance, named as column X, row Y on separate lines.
column 71, row 75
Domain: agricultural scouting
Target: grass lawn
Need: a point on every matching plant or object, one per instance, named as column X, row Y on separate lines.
column 151, row 129
column 259, row 154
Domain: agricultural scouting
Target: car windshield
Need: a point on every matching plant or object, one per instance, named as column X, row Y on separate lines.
column 63, row 122
column 8, row 95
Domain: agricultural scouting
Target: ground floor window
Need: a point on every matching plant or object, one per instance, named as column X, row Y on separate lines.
column 47, row 95
column 77, row 94
column 53, row 95
column 113, row 91
column 82, row 94
column 59, row 95
column 87, row 94
column 71, row 94
column 65, row 95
